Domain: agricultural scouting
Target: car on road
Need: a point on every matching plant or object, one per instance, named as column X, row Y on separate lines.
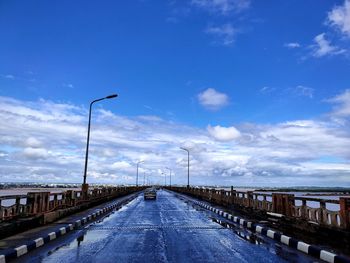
column 150, row 194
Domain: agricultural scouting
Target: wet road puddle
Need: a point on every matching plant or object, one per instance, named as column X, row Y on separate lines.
column 251, row 237
column 286, row 253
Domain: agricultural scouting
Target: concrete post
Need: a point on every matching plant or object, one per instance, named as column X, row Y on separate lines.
column 46, row 201
column 71, row 197
column 55, row 200
column 233, row 196
column 323, row 213
column 250, row 199
column 283, row 203
column 85, row 190
column 344, row 212
column 304, row 214
column 18, row 203
column 222, row 197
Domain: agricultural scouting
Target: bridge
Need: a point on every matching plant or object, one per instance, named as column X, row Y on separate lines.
column 183, row 225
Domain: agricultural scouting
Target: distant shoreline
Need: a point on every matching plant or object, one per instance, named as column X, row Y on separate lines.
column 313, row 191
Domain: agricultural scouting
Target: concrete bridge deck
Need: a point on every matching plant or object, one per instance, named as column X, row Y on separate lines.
column 169, row 229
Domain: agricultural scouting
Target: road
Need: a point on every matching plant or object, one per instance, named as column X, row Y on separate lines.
column 170, row 229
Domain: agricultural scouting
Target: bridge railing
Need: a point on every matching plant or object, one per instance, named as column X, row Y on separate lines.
column 36, row 203
column 330, row 213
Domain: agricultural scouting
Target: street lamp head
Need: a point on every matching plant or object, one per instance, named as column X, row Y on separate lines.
column 112, row 96
column 185, row 149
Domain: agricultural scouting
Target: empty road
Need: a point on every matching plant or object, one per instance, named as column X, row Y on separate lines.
column 170, row 229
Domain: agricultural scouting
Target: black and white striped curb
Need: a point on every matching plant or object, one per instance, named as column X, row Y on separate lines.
column 13, row 253
column 286, row 240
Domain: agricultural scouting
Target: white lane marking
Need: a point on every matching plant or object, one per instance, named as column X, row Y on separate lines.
column 327, row 256
column 21, row 250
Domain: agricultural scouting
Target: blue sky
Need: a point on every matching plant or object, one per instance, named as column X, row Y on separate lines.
column 226, row 70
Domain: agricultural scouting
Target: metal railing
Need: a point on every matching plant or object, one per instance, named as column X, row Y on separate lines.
column 37, row 203
column 287, row 205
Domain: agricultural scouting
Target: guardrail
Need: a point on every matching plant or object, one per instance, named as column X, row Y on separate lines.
column 37, row 203
column 287, row 205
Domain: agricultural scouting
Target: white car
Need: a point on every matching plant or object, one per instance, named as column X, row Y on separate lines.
column 150, row 194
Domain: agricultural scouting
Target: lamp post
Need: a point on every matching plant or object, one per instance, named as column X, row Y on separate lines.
column 164, row 178
column 169, row 175
column 137, row 172
column 188, row 165
column 85, row 186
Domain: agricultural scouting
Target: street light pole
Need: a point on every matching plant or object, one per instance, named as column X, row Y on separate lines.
column 164, row 178
column 85, row 186
column 188, row 165
column 169, row 175
column 137, row 172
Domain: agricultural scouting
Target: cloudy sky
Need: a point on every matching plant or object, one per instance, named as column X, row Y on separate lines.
column 258, row 91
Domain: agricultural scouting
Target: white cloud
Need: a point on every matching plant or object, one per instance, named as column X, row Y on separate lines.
column 339, row 17
column 8, row 76
column 292, row 45
column 266, row 89
column 224, row 34
column 45, row 141
column 33, row 142
column 212, row 99
column 68, row 85
column 224, row 133
column 342, row 104
column 223, row 7
column 35, row 153
column 150, row 118
column 323, row 47
column 121, row 165
column 304, row 91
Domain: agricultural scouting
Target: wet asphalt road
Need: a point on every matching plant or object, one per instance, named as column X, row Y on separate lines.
column 166, row 230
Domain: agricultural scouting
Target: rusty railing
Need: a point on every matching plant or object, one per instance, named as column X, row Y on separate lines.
column 37, row 203
column 287, row 205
